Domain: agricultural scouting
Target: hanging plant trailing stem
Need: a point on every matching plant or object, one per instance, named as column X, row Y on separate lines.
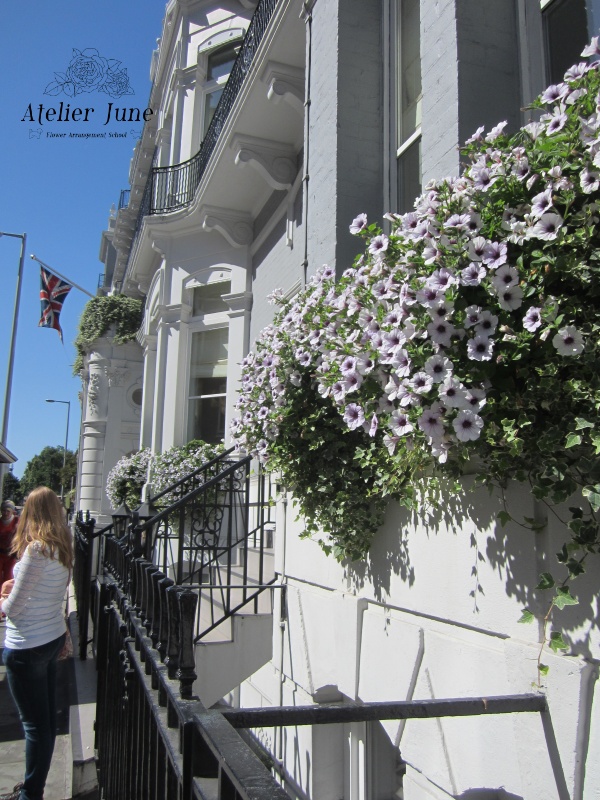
column 452, row 338
column 102, row 313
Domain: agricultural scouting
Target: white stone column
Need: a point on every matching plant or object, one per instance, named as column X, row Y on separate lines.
column 240, row 306
column 149, row 386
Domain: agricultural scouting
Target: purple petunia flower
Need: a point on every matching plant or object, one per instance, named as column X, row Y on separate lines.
column 532, row 319
column 473, row 274
column 354, row 416
column 495, row 254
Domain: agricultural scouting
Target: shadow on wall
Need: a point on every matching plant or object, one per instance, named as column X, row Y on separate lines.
column 513, row 552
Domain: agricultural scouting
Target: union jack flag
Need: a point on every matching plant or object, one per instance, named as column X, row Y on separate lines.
column 52, row 295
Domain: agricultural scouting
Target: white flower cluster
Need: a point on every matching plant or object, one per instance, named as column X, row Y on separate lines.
column 403, row 345
column 129, row 471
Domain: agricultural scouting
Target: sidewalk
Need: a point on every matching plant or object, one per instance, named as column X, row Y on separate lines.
column 72, row 774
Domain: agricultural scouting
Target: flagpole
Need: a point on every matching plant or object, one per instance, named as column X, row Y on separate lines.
column 13, row 336
column 58, row 275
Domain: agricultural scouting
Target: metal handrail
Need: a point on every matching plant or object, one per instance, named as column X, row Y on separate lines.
column 203, row 468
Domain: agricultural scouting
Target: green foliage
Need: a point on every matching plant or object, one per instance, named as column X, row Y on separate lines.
column 469, row 331
column 99, row 314
column 46, row 469
column 11, row 489
column 127, row 478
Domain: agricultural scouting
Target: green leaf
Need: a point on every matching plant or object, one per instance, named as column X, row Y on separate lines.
column 581, row 423
column 572, row 440
column 557, row 642
column 546, row 581
column 593, row 495
column 526, row 617
column 564, row 598
column 504, row 517
column 534, row 524
column 544, row 669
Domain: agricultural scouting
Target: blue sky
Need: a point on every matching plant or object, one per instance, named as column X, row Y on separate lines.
column 59, row 191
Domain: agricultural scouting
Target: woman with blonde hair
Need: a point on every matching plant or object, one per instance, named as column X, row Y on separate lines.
column 35, row 632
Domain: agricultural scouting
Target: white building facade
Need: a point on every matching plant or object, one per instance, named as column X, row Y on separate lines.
column 341, row 107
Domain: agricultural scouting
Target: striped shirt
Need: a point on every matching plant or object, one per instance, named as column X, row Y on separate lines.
column 35, row 607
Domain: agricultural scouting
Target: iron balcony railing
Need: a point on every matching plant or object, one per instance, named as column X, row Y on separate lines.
column 174, row 187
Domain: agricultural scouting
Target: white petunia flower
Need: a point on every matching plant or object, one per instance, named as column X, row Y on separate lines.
column 379, row 244
column 439, row 368
column 568, row 341
column 400, row 425
column 487, row 324
column 510, row 299
column 430, row 422
column 421, row 382
column 590, row 181
column 467, row 425
column 479, row 348
column 358, row 223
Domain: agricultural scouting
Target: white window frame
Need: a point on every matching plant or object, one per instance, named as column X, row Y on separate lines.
column 199, row 324
column 395, row 145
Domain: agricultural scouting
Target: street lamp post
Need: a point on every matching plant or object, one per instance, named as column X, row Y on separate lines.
column 68, row 405
column 13, row 337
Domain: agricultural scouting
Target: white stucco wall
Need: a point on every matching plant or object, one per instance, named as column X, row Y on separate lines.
column 433, row 612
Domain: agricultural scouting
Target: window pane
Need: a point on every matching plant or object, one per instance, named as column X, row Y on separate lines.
column 565, row 23
column 221, row 61
column 208, row 299
column 208, row 356
column 209, row 386
column 207, row 419
column 409, row 177
column 409, row 66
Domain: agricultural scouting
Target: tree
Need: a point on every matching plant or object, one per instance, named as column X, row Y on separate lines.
column 46, row 469
column 11, row 489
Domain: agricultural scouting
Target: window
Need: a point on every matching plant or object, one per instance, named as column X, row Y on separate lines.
column 567, row 26
column 220, row 63
column 408, row 102
column 208, row 299
column 208, row 385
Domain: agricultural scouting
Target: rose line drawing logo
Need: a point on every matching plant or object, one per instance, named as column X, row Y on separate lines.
column 88, row 71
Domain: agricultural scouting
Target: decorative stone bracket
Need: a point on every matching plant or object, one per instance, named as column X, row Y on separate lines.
column 275, row 162
column 236, row 227
column 285, row 83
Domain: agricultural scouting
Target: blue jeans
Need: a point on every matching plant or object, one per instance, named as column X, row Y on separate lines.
column 31, row 677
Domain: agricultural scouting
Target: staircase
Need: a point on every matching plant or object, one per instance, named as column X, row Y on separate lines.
column 214, row 542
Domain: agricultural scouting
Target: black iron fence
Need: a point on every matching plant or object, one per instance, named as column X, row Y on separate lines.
column 84, row 535
column 154, row 738
column 216, row 540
